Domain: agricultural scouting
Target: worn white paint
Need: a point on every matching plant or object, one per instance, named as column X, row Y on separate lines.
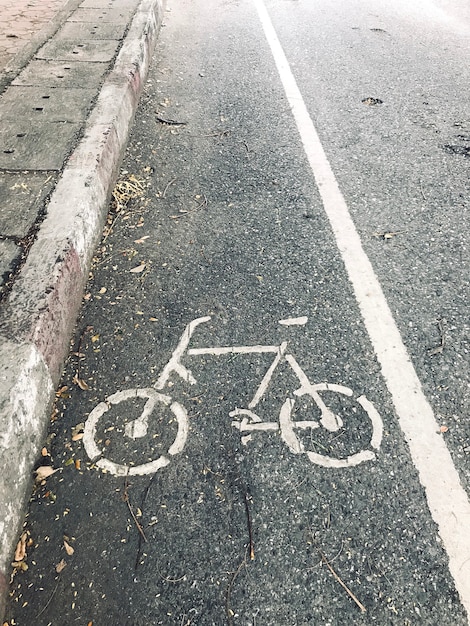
column 174, row 364
column 253, row 417
column 233, row 350
column 329, row 420
column 287, row 428
column 294, row 321
column 269, row 374
column 135, row 428
column 447, row 499
column 250, row 420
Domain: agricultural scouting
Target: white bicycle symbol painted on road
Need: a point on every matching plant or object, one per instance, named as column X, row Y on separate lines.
column 245, row 419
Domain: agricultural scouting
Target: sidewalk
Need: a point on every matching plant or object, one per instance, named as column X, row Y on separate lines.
column 71, row 74
column 21, row 22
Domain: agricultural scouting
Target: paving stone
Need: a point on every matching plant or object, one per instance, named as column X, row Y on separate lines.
column 78, row 50
column 22, row 197
column 46, row 104
column 9, row 253
column 36, row 146
column 20, row 20
column 95, row 16
column 112, row 4
column 90, row 31
column 62, row 74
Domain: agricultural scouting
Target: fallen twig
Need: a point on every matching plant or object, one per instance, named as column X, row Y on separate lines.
column 228, row 610
column 77, row 380
column 250, row 529
column 218, row 133
column 142, row 535
column 204, row 255
column 125, row 497
column 168, row 186
column 442, row 343
column 184, row 212
column 422, row 190
column 109, row 227
column 49, row 601
column 114, row 254
column 338, row 579
column 167, row 579
column 162, row 120
column 386, row 235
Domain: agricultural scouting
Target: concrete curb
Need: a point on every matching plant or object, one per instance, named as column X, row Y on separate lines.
column 39, row 314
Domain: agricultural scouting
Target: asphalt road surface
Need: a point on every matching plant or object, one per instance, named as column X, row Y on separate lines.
column 266, row 413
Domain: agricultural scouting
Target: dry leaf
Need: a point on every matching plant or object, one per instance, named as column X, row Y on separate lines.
column 20, row 552
column 444, row 429
column 103, row 290
column 68, row 548
column 138, row 269
column 77, row 431
column 62, row 393
column 44, row 452
column 44, row 471
column 81, row 383
column 77, row 464
column 372, row 101
column 386, row 235
column 61, row 566
column 142, row 239
column 95, row 338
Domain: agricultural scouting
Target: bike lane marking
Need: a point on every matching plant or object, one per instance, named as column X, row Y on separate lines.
column 447, row 499
column 250, row 421
column 135, row 429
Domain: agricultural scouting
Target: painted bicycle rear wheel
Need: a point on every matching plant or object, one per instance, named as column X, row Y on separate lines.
column 152, row 397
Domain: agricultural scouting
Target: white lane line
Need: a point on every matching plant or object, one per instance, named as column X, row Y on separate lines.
column 447, row 500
